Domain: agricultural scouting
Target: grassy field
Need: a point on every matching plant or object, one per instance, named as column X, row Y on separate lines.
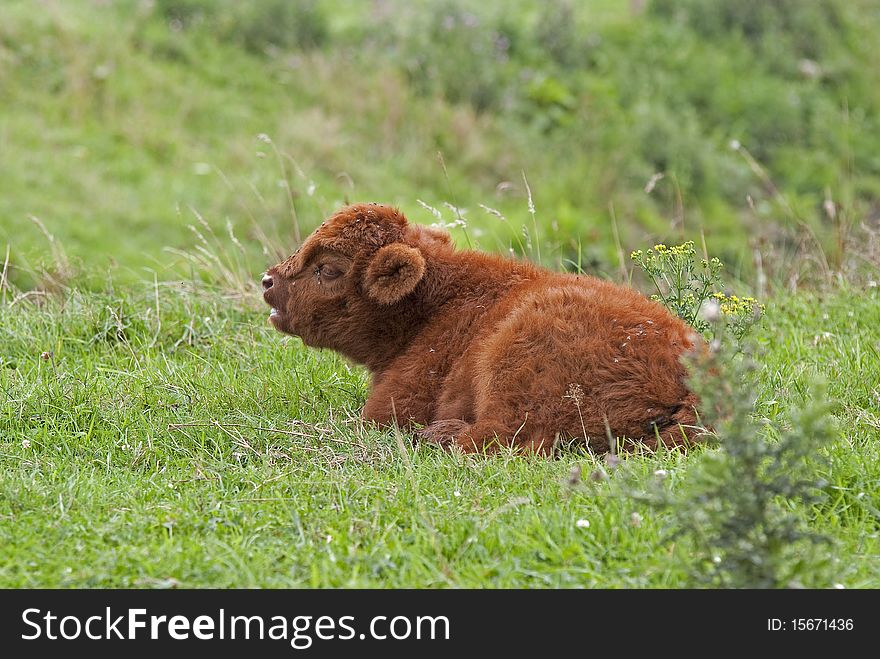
column 121, row 121
column 179, row 440
column 156, row 157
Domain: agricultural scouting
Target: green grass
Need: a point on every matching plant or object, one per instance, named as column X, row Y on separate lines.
column 197, row 447
column 170, row 437
column 120, row 122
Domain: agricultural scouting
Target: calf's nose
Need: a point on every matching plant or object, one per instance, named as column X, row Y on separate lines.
column 267, row 282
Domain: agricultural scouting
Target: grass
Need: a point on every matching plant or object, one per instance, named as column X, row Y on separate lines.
column 179, row 441
column 118, row 121
column 156, row 157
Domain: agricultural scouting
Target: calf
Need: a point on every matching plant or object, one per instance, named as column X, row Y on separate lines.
column 478, row 350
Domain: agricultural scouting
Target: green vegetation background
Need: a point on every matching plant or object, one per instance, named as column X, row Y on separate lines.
column 156, row 156
column 119, row 121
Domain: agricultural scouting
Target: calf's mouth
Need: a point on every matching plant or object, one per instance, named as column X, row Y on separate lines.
column 269, row 297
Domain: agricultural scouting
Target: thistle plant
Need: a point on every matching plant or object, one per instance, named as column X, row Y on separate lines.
column 691, row 288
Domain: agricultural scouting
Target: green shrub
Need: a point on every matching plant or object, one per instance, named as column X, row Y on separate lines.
column 299, row 25
column 187, row 13
column 288, row 25
column 787, row 28
column 741, row 519
column 461, row 55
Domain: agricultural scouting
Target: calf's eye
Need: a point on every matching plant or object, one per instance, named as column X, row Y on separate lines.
column 327, row 272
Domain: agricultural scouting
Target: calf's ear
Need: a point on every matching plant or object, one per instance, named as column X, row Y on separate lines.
column 393, row 273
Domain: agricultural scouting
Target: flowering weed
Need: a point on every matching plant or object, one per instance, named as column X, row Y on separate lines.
column 689, row 287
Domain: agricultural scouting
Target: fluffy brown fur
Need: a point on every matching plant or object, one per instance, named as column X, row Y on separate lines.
column 480, row 350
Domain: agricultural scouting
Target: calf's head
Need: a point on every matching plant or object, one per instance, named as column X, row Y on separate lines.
column 354, row 280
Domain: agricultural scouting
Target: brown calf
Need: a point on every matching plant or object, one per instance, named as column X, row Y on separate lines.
column 480, row 350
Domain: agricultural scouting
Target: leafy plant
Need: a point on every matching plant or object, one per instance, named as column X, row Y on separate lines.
column 809, row 27
column 688, row 287
column 282, row 24
column 740, row 517
column 736, row 515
